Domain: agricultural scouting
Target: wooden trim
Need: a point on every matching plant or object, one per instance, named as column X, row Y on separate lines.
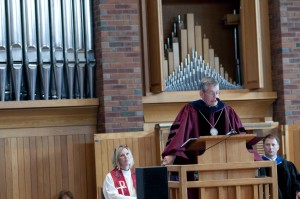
column 48, row 131
column 146, row 73
column 226, row 96
column 48, row 113
column 252, row 107
column 49, row 103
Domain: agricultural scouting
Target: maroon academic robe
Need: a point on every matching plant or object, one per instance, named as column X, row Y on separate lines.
column 190, row 123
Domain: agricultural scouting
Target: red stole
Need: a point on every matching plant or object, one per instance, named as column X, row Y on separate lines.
column 120, row 182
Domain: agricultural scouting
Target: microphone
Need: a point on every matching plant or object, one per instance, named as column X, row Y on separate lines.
column 232, row 132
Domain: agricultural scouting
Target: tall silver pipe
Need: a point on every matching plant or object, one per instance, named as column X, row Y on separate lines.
column 30, row 45
column 3, row 50
column 79, row 45
column 57, row 47
column 15, row 36
column 91, row 62
column 69, row 48
column 44, row 45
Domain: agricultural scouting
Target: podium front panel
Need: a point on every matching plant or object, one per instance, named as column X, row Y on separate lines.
column 222, row 149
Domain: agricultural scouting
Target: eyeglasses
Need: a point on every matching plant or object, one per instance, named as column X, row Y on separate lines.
column 211, row 93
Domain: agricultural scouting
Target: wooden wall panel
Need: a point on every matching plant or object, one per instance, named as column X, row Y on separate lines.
column 38, row 167
column 90, row 167
column 8, row 169
column 47, row 146
column 2, row 170
column 291, row 143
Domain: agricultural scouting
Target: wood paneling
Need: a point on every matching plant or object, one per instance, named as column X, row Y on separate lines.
column 155, row 44
column 291, row 142
column 47, row 146
column 250, row 46
column 35, row 167
column 256, row 44
column 48, row 113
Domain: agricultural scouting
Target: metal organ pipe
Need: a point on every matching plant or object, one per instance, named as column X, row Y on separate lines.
column 15, row 43
column 57, row 47
column 30, row 45
column 69, row 45
column 79, row 45
column 43, row 41
column 44, row 46
column 90, row 56
column 3, row 50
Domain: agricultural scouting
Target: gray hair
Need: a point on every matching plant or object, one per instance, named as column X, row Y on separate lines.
column 116, row 155
column 208, row 81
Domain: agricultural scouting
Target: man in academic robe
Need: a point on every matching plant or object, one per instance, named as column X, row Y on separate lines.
column 287, row 173
column 206, row 116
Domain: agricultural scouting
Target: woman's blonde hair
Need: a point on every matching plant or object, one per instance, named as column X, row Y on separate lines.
column 116, row 155
column 65, row 193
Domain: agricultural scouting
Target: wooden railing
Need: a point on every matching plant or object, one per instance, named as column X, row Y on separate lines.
column 233, row 188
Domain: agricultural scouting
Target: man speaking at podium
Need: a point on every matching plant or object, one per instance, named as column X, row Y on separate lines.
column 206, row 116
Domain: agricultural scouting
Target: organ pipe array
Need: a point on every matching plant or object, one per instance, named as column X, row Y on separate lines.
column 189, row 58
column 46, row 49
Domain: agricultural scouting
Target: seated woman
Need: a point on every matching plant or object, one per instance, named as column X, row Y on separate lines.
column 120, row 183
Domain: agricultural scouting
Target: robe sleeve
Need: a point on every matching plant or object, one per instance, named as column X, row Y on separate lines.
column 184, row 127
column 235, row 120
column 294, row 177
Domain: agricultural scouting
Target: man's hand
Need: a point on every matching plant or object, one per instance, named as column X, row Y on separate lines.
column 168, row 160
column 298, row 195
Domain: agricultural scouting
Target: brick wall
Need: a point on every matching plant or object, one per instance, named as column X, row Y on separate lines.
column 119, row 65
column 285, row 44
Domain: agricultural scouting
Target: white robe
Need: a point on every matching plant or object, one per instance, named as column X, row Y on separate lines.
column 110, row 191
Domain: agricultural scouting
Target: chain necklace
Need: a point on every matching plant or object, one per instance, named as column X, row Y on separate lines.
column 213, row 130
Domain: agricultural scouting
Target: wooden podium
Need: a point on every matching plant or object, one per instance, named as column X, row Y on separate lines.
column 225, row 170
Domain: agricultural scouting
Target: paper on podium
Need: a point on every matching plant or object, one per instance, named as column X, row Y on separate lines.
column 199, row 144
column 194, row 144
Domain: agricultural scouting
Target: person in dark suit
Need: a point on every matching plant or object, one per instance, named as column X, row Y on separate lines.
column 287, row 173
